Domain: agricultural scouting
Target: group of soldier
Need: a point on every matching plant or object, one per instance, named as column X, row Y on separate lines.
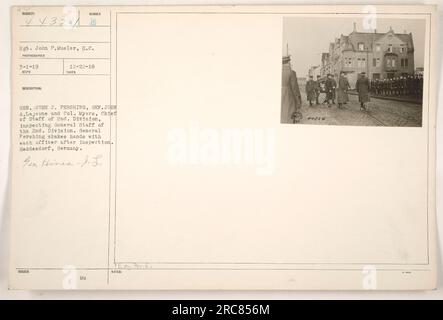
column 409, row 85
column 334, row 90
column 339, row 91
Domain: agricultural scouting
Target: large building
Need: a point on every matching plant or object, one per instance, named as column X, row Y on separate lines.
column 380, row 55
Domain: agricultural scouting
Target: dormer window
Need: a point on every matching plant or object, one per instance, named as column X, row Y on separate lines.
column 361, row 46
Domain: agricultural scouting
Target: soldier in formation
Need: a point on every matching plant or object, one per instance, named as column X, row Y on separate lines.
column 407, row 85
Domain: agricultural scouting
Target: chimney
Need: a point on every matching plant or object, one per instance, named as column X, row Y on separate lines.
column 355, row 27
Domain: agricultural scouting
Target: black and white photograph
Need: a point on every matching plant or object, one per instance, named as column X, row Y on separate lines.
column 346, row 71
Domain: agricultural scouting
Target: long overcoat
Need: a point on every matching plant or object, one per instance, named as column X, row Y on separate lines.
column 311, row 90
column 343, row 86
column 290, row 94
column 330, row 88
column 362, row 87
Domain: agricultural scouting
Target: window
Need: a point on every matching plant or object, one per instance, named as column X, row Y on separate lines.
column 402, row 62
column 389, row 47
column 393, row 63
column 402, row 49
column 377, row 47
column 376, row 62
column 361, row 46
column 359, row 63
column 363, row 63
column 406, row 62
column 388, row 62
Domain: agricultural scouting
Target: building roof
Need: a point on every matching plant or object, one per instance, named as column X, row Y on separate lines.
column 351, row 41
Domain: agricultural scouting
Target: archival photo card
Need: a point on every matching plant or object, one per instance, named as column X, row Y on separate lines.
column 162, row 148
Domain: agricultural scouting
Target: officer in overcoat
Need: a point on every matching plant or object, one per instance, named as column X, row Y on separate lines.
column 330, row 85
column 317, row 90
column 290, row 93
column 342, row 90
column 362, row 87
column 334, row 86
column 311, row 90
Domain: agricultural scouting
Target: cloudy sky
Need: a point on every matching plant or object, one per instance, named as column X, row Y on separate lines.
column 307, row 38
